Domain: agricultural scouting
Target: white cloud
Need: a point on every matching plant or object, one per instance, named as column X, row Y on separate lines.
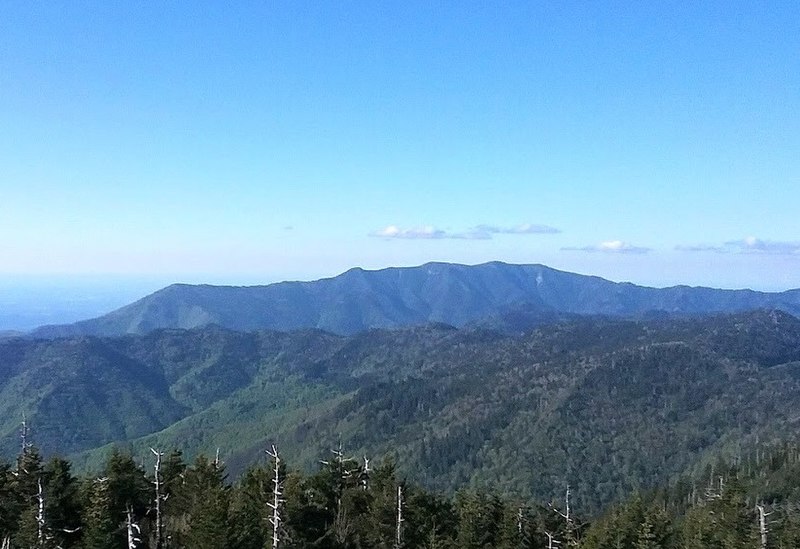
column 525, row 228
column 426, row 232
column 748, row 245
column 700, row 248
column 752, row 244
column 611, row 246
column 479, row 232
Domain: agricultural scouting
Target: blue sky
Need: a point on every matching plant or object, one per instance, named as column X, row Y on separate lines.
column 656, row 142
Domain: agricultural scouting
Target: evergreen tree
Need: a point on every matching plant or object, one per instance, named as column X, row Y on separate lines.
column 249, row 509
column 27, row 480
column 101, row 528
column 173, row 470
column 207, row 497
column 9, row 503
column 62, row 507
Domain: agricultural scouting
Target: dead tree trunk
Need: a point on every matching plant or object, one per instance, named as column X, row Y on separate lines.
column 275, row 519
column 552, row 542
column 40, row 523
column 569, row 523
column 158, row 500
column 23, row 435
column 133, row 529
column 398, row 535
column 365, row 474
column 762, row 525
column 341, row 524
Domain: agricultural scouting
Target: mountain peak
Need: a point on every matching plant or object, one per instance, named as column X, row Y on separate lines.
column 454, row 294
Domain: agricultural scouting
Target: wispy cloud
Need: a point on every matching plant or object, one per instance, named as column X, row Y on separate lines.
column 700, row 248
column 612, row 247
column 426, row 232
column 479, row 232
column 749, row 245
column 525, row 228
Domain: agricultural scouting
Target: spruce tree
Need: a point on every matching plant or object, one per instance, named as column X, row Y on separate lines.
column 62, row 507
column 207, row 511
column 9, row 503
column 101, row 528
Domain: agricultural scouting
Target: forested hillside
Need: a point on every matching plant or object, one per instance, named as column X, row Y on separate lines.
column 609, row 406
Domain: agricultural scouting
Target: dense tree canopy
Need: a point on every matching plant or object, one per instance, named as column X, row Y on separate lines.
column 352, row 504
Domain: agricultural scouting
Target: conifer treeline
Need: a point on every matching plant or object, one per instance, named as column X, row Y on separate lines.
column 754, row 504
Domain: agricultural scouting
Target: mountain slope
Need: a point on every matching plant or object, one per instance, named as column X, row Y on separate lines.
column 523, row 413
column 436, row 292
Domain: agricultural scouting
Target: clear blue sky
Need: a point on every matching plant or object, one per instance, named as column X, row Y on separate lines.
column 240, row 142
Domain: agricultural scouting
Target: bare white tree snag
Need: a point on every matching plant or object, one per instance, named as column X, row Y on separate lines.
column 275, row 519
column 133, row 529
column 365, row 474
column 6, row 543
column 23, row 435
column 158, row 500
column 762, row 525
column 552, row 542
column 519, row 521
column 40, row 524
column 339, row 467
column 217, row 462
column 566, row 514
column 398, row 535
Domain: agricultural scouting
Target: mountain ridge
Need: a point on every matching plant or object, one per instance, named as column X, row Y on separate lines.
column 454, row 294
column 456, row 407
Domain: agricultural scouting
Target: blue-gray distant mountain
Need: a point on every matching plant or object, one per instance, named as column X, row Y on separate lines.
column 458, row 295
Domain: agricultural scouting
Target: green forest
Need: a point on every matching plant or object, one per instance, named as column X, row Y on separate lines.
column 750, row 502
column 584, row 433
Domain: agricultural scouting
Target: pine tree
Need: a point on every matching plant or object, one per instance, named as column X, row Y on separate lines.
column 9, row 503
column 248, row 509
column 62, row 508
column 101, row 526
column 647, row 538
column 128, row 485
column 27, row 479
column 173, row 470
column 207, row 508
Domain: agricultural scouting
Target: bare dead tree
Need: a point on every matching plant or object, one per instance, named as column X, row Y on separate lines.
column 275, row 505
column 23, row 435
column 159, row 499
column 552, row 542
column 217, row 462
column 133, row 529
column 338, row 466
column 365, row 474
column 6, row 543
column 398, row 535
column 762, row 525
column 569, row 521
column 40, row 522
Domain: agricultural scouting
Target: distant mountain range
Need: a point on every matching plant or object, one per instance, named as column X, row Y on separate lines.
column 458, row 295
column 608, row 405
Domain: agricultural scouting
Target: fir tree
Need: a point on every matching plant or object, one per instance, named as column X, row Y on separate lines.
column 207, row 508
